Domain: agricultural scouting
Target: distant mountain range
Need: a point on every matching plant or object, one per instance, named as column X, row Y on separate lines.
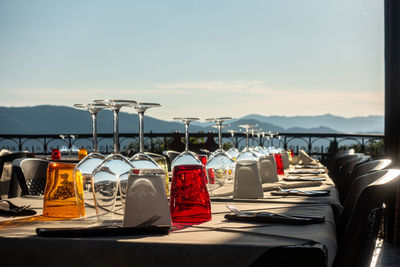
column 372, row 124
column 61, row 119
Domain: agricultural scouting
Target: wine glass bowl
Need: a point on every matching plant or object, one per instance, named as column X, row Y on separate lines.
column 246, row 153
column 233, row 152
column 142, row 160
column 220, row 166
column 93, row 159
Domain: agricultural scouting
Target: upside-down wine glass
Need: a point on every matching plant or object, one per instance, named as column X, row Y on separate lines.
column 110, row 177
column 233, row 152
column 258, row 148
column 253, row 148
column 220, row 167
column 246, row 153
column 141, row 160
column 263, row 150
column 83, row 170
column 189, row 198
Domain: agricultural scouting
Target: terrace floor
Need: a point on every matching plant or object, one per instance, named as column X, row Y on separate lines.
column 386, row 255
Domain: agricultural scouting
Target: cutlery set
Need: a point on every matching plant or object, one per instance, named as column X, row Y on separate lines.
column 269, row 217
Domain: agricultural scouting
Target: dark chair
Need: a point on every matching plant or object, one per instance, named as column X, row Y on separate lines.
column 5, row 179
column 361, row 227
column 331, row 159
column 12, row 156
column 362, row 169
column 28, row 178
column 347, row 169
column 339, row 163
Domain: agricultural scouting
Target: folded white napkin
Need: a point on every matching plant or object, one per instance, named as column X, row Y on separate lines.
column 267, row 169
column 247, row 180
column 305, row 159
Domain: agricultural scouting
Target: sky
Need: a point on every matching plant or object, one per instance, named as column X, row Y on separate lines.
column 196, row 58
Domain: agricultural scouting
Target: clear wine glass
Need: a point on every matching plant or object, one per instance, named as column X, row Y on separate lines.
column 220, row 167
column 110, row 177
column 141, row 160
column 258, row 148
column 92, row 160
column 263, row 150
column 253, row 147
column 246, row 153
column 189, row 198
column 233, row 152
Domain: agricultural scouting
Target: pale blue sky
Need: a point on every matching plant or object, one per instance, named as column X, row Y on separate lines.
column 196, row 58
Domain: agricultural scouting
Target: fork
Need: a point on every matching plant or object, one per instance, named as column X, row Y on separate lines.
column 17, row 210
column 300, row 191
column 238, row 212
column 294, row 191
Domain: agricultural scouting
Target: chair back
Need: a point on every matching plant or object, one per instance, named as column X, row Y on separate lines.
column 332, row 159
column 362, row 169
column 267, row 169
column 347, row 169
column 5, row 174
column 356, row 188
column 357, row 242
column 35, row 172
column 339, row 163
column 28, row 178
column 10, row 157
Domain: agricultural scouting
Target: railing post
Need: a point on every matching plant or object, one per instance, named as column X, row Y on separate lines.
column 44, row 145
column 284, row 143
column 151, row 142
column 20, row 144
column 309, row 145
column 362, row 145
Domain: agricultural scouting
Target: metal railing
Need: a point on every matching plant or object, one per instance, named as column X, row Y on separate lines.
column 316, row 144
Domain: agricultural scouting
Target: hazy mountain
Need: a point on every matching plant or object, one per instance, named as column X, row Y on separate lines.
column 61, row 119
column 372, row 124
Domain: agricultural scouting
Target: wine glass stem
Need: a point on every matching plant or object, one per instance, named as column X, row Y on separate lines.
column 115, row 130
column 219, row 135
column 141, row 133
column 186, row 137
column 252, row 139
column 94, row 130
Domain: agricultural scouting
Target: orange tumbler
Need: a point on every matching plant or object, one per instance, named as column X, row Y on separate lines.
column 82, row 153
column 63, row 196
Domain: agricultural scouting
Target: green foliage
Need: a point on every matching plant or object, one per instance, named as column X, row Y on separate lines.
column 375, row 148
column 226, row 146
column 195, row 140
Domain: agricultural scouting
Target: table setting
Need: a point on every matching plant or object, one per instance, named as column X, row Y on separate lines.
column 221, row 200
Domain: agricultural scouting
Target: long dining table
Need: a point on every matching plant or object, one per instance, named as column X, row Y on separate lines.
column 219, row 242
